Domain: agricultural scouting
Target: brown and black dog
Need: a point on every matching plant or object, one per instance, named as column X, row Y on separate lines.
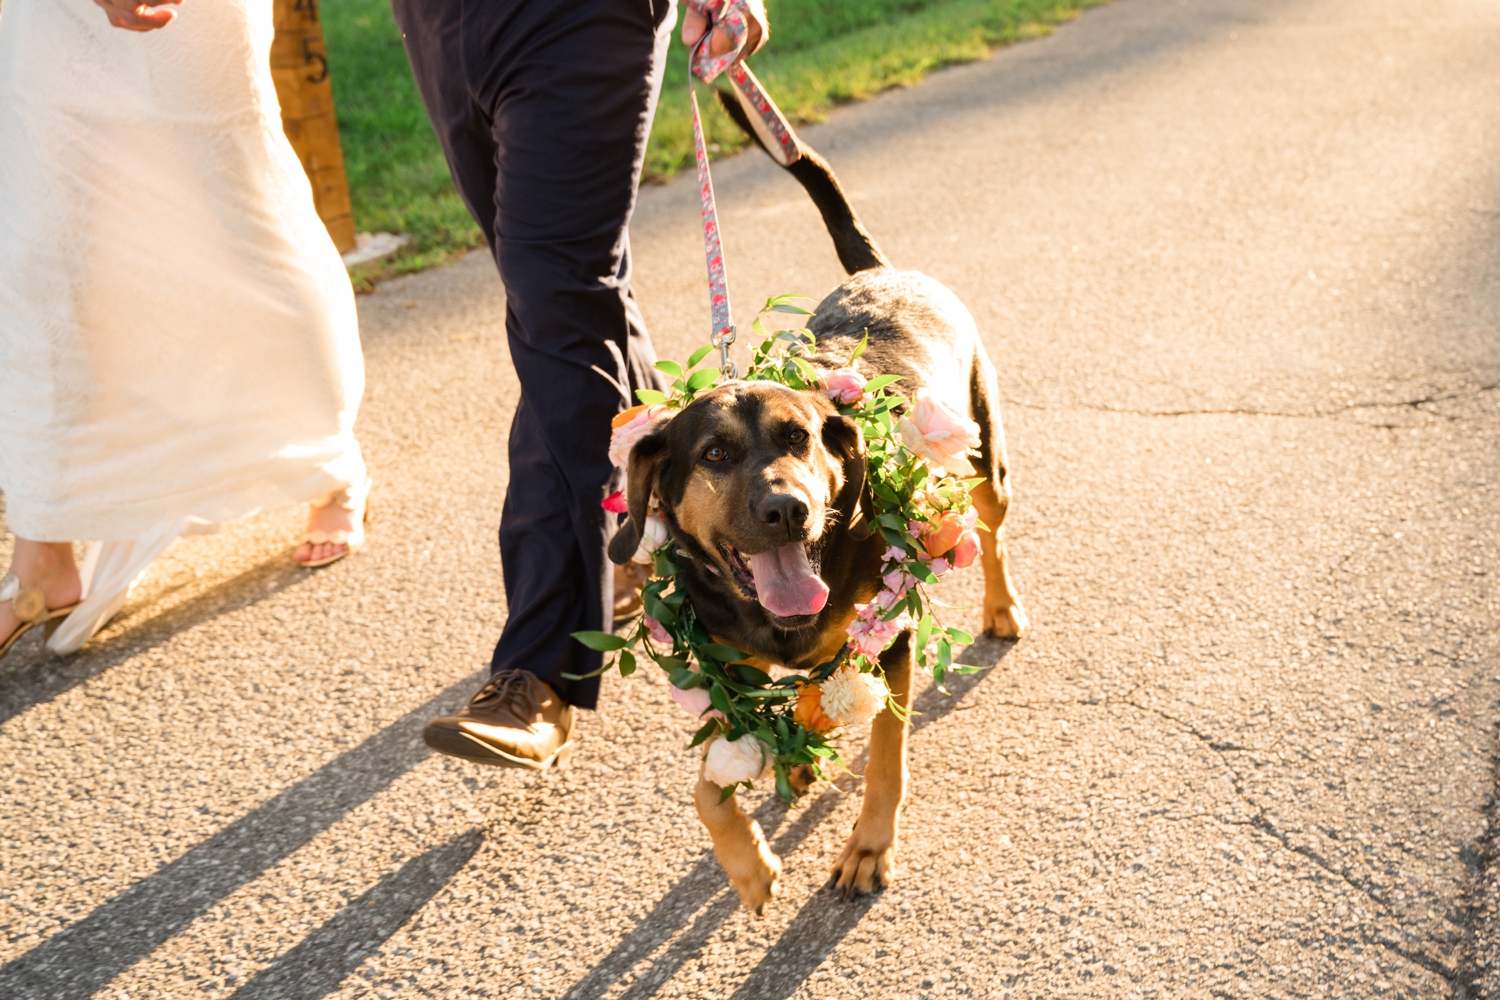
column 763, row 490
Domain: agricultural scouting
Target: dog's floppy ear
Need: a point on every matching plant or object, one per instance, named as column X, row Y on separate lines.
column 843, row 439
column 646, row 461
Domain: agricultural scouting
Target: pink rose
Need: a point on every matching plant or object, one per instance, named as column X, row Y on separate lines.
column 939, row 567
column 629, row 427
column 615, row 503
column 695, row 702
column 967, row 550
column 842, row 385
column 658, row 633
column 935, row 431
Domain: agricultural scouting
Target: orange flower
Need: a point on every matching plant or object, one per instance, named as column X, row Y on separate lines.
column 626, row 416
column 943, row 532
column 809, row 710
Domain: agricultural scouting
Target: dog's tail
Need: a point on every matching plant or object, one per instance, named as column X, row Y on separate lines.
column 856, row 250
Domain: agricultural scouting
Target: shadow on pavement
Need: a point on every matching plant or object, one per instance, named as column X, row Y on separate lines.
column 329, row 954
column 84, row 957
column 46, row 676
column 822, row 923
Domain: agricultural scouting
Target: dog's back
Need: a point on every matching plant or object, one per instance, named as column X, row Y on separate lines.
column 918, row 329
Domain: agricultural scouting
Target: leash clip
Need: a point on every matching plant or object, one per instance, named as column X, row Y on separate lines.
column 722, row 341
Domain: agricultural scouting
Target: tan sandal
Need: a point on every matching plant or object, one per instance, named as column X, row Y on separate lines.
column 30, row 607
column 356, row 500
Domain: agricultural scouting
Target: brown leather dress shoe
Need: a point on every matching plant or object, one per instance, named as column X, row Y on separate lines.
column 629, row 579
column 516, row 720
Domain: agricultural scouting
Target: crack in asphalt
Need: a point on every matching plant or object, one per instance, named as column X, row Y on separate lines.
column 1418, row 403
column 1261, row 823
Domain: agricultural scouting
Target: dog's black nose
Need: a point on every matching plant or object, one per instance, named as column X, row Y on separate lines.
column 785, row 511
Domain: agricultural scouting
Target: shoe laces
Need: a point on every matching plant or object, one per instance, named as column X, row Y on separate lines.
column 507, row 685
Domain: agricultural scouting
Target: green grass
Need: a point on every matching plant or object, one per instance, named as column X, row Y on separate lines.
column 822, row 53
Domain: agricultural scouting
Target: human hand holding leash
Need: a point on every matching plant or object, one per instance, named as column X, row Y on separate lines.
column 134, row 15
column 739, row 28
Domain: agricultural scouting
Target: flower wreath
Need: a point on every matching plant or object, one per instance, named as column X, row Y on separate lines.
column 917, row 451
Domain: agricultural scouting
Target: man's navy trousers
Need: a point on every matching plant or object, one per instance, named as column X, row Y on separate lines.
column 543, row 108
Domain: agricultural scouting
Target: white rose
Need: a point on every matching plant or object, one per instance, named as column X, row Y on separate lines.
column 729, row 763
column 851, row 697
column 653, row 536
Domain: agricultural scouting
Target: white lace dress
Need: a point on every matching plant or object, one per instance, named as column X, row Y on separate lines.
column 178, row 338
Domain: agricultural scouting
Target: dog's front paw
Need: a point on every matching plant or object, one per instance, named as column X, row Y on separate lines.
column 755, row 876
column 1008, row 622
column 867, row 863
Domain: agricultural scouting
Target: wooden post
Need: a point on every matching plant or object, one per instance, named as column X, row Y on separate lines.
column 299, row 65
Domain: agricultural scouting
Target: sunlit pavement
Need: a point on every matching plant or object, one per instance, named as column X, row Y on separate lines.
column 1238, row 265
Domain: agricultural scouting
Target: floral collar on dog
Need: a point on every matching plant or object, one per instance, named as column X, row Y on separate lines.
column 917, row 450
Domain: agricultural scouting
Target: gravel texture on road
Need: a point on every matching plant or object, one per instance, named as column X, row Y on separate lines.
column 1238, row 265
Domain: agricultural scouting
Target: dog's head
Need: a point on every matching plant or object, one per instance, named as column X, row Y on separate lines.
column 754, row 478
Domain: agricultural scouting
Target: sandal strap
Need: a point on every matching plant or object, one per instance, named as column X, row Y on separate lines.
column 339, row 536
column 29, row 603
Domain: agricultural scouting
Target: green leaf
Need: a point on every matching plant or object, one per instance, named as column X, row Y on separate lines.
column 708, row 729
column 672, row 368
column 650, row 396
column 685, row 680
column 776, row 301
column 627, row 663
column 785, row 307
column 671, row 663
column 945, row 654
column 924, row 632
column 726, row 793
column 784, row 786
column 880, row 382
column 719, row 698
column 721, row 652
column 751, row 675
column 863, row 343
column 959, row 635
column 602, row 641
column 703, row 379
column 769, row 694
column 918, row 569
column 699, row 355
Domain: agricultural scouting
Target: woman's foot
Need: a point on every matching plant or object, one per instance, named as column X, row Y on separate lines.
column 44, row 566
column 329, row 522
column 335, row 527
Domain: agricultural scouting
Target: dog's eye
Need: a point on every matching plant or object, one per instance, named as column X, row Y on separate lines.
column 715, row 454
column 797, row 436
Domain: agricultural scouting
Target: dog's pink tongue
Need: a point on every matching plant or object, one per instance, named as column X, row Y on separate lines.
column 785, row 582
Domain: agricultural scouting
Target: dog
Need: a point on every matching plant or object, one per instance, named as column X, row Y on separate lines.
column 763, row 489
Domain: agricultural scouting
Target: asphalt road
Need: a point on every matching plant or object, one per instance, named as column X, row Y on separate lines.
column 1238, row 264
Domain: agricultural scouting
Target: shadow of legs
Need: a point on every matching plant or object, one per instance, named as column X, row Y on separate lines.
column 329, row 954
column 40, row 676
column 85, row 956
column 823, row 922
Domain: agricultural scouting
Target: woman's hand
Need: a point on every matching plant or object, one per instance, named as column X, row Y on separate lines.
column 140, row 15
column 694, row 24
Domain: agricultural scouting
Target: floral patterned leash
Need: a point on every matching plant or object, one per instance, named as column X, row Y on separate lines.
column 770, row 125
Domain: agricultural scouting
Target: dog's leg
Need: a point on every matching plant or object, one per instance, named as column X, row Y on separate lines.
column 1003, row 615
column 868, row 861
column 739, row 845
